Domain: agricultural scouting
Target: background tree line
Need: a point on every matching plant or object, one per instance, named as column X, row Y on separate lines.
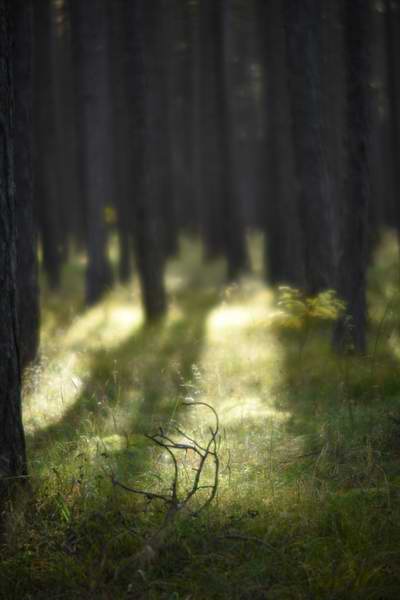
column 148, row 119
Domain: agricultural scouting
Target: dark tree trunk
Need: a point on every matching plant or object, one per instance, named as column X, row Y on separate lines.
column 180, row 90
column 279, row 214
column 303, row 28
column 196, row 129
column 12, row 442
column 381, row 160
column 46, row 167
column 121, row 189
column 333, row 110
column 233, row 230
column 222, row 224
column 27, row 281
column 207, row 128
column 351, row 330
column 70, row 193
column 392, row 31
column 159, row 70
column 90, row 25
column 143, row 131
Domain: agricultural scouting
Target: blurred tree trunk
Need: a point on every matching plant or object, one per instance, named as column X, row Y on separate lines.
column 303, row 30
column 209, row 173
column 159, row 49
column 392, row 37
column 27, row 267
column 12, row 442
column 381, row 161
column 197, row 113
column 63, row 83
column 90, row 26
column 333, row 111
column 228, row 81
column 181, row 76
column 120, row 105
column 280, row 219
column 147, row 183
column 222, row 224
column 46, row 166
column 350, row 333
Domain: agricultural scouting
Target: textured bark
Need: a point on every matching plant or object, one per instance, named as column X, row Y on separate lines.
column 351, row 330
column 27, row 271
column 12, row 443
column 143, row 131
column 90, row 26
column 303, row 28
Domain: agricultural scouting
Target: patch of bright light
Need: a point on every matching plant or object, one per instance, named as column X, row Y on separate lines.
column 251, row 408
column 104, row 326
column 63, row 375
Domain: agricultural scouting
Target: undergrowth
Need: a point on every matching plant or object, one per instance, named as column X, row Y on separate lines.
column 308, row 502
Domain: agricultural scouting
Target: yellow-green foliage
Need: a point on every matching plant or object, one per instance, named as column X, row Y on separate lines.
column 309, row 494
column 295, row 305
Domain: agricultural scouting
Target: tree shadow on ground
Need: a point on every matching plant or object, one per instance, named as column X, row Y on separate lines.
column 334, row 404
column 131, row 388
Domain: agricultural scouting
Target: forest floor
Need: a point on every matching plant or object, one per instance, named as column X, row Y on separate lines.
column 308, row 498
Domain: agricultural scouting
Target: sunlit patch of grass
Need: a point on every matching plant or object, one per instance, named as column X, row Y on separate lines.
column 308, row 498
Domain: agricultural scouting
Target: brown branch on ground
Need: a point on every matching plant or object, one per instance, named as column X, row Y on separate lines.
column 177, row 504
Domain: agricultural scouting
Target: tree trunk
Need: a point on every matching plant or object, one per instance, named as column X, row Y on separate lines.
column 70, row 193
column 303, row 25
column 46, row 167
column 227, row 82
column 350, row 333
column 147, row 183
column 279, row 212
column 90, row 25
column 392, row 31
column 27, row 268
column 12, row 442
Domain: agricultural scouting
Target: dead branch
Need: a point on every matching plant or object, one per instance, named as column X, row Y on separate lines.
column 177, row 504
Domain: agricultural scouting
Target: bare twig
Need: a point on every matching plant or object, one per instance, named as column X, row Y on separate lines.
column 178, row 504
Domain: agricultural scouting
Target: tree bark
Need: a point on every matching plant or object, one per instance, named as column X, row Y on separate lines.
column 279, row 211
column 90, row 25
column 120, row 114
column 27, row 267
column 233, row 228
column 392, row 37
column 46, row 166
column 12, row 442
column 147, row 183
column 350, row 333
column 303, row 28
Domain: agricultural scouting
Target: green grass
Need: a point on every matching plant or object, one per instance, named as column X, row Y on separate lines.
column 308, row 504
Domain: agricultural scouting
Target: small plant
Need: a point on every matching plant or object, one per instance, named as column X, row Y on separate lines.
column 295, row 305
column 302, row 313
